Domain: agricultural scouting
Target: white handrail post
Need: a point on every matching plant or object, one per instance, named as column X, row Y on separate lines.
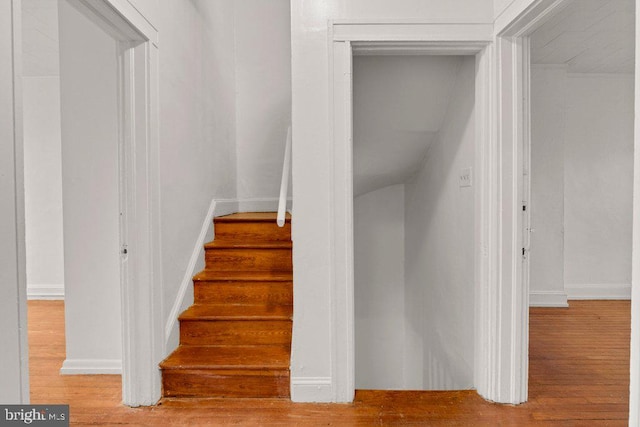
column 284, row 183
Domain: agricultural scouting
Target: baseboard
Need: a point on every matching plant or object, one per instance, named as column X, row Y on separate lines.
column 226, row 207
column 181, row 302
column 613, row 291
column 548, row 299
column 45, row 292
column 312, row 389
column 91, row 367
column 266, row 204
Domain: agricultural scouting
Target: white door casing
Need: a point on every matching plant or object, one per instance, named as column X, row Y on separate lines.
column 411, row 37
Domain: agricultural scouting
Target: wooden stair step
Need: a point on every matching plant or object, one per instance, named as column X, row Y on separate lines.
column 272, row 258
column 235, row 341
column 243, row 276
column 256, row 292
column 198, row 383
column 255, row 226
column 264, row 357
column 226, row 244
column 235, row 332
column 239, row 312
column 252, row 217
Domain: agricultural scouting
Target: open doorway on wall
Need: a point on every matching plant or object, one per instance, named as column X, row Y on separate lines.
column 72, row 134
column 581, row 202
column 413, row 154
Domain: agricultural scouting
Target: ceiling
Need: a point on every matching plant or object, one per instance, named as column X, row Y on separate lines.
column 589, row 36
column 399, row 105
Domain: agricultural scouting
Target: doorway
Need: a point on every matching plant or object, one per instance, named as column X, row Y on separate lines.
column 582, row 106
column 581, row 184
column 413, row 157
column 72, row 175
column 90, row 174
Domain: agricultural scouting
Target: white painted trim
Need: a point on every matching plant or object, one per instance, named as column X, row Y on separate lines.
column 588, row 291
column 45, row 292
column 13, row 275
column 341, row 238
column 405, row 48
column 400, row 30
column 266, row 204
column 91, row 367
column 548, row 299
column 634, row 389
column 311, row 389
column 180, row 304
column 226, row 207
column 486, row 214
column 429, row 39
column 120, row 18
column 523, row 17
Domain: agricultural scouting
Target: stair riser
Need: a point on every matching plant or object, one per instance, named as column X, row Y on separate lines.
column 252, row 231
column 235, row 332
column 220, row 383
column 270, row 293
column 225, row 259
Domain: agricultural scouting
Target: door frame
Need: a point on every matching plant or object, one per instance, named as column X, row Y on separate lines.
column 513, row 67
column 408, row 37
column 142, row 332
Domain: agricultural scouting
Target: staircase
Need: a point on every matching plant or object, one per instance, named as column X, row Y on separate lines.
column 235, row 340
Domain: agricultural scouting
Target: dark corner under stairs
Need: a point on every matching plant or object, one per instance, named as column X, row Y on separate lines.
column 235, row 340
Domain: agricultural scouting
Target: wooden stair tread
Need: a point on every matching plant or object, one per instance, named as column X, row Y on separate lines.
column 252, row 217
column 230, row 244
column 258, row 357
column 235, row 340
column 237, row 312
column 243, row 276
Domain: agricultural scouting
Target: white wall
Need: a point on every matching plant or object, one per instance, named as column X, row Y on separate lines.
column 379, row 289
column 197, row 126
column 439, row 247
column 14, row 357
column 598, row 182
column 312, row 343
column 582, row 169
column 548, row 119
column 42, row 149
column 43, row 186
column 88, row 74
column 263, row 89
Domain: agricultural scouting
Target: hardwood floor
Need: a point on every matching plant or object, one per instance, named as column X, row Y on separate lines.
column 579, row 376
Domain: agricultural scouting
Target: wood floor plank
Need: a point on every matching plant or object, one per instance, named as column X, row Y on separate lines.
column 578, row 377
